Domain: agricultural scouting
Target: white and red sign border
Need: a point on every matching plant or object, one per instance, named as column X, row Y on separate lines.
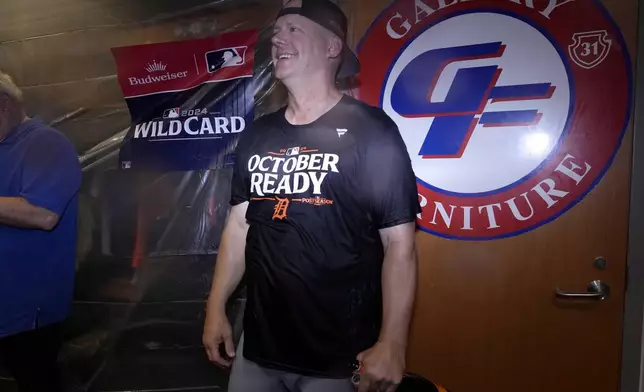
column 601, row 99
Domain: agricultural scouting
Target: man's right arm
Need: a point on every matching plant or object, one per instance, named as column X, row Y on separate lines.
column 229, row 270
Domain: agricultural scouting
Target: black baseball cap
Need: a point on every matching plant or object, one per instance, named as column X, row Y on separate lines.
column 330, row 16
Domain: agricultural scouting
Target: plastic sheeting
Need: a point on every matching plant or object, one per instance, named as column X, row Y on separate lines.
column 183, row 210
column 148, row 242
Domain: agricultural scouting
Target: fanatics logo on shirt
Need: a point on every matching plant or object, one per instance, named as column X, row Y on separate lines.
column 341, row 131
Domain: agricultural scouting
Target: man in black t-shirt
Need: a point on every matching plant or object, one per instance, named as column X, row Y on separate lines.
column 322, row 224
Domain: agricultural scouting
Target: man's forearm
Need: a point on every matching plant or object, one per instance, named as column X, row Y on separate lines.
column 17, row 212
column 399, row 279
column 229, row 267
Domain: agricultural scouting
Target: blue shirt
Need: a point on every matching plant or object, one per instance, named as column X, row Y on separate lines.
column 37, row 267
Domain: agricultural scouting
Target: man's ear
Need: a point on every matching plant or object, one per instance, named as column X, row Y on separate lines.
column 5, row 101
column 335, row 47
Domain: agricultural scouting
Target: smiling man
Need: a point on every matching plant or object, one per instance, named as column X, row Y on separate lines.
column 322, row 225
column 39, row 180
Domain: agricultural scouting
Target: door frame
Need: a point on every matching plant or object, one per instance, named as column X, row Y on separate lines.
column 632, row 371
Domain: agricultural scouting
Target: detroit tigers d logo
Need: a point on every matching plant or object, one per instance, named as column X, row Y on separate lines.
column 511, row 110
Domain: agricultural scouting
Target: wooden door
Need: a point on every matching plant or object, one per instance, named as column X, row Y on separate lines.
column 486, row 317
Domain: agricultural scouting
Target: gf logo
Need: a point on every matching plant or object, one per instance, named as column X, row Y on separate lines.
column 467, row 97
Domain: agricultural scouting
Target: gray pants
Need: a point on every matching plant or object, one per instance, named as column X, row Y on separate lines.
column 248, row 376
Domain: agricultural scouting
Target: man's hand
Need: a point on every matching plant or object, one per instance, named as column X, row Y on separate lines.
column 217, row 330
column 383, row 366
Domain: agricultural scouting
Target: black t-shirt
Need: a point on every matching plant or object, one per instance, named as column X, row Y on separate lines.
column 318, row 194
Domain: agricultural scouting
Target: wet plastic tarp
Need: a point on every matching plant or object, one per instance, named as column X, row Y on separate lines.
column 147, row 242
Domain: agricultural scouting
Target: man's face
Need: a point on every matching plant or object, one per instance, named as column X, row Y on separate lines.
column 300, row 47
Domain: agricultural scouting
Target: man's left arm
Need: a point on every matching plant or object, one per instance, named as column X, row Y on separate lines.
column 399, row 273
column 51, row 176
column 394, row 205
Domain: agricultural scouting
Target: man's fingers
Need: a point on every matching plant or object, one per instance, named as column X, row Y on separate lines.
column 230, row 346
column 371, row 384
column 379, row 386
column 208, row 353
column 392, row 388
column 206, row 345
column 212, row 350
column 365, row 384
column 217, row 358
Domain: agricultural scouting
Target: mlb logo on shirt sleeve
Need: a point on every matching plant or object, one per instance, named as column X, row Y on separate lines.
column 225, row 58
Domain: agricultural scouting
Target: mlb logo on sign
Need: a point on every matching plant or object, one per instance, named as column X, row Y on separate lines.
column 511, row 111
column 224, row 58
column 293, row 151
column 171, row 113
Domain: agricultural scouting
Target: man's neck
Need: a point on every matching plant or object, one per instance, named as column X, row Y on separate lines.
column 309, row 100
column 18, row 120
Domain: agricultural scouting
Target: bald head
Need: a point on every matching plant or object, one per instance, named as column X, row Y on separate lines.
column 8, row 87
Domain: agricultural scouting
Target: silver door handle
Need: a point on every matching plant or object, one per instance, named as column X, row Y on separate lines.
column 596, row 290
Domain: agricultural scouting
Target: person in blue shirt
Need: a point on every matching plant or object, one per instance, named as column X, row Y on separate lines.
column 40, row 177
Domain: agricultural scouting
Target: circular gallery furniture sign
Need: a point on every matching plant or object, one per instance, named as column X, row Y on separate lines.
column 511, row 110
